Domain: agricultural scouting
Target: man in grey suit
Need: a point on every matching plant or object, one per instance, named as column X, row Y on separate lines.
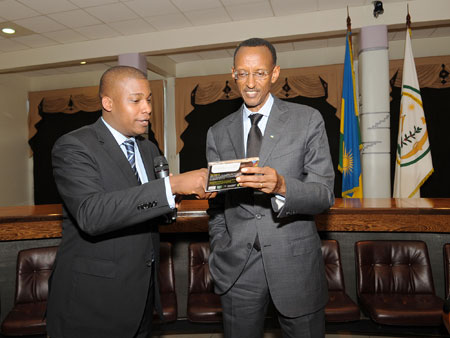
column 264, row 242
column 104, row 283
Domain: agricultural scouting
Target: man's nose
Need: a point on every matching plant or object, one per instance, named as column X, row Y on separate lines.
column 251, row 80
column 147, row 107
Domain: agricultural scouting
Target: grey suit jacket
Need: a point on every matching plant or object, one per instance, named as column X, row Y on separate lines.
column 296, row 145
column 102, row 272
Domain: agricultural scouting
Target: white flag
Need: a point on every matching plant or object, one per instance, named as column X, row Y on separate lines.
column 413, row 161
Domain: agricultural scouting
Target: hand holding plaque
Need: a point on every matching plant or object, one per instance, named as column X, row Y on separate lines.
column 222, row 174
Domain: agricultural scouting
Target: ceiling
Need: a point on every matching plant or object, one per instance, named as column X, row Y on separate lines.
column 53, row 24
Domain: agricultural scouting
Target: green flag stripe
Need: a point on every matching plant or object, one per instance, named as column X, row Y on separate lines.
column 417, row 159
column 412, row 88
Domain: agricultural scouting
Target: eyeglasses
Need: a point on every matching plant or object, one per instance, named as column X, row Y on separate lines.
column 242, row 75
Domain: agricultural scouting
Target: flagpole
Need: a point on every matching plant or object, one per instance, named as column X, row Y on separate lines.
column 408, row 18
column 349, row 25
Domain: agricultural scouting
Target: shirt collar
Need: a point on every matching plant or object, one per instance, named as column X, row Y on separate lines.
column 119, row 137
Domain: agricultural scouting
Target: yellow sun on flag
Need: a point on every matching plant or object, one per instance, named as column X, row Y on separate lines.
column 347, row 162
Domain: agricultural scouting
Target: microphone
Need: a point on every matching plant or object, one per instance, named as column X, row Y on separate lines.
column 162, row 170
column 161, row 167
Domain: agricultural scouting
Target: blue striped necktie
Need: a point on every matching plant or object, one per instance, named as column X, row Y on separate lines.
column 129, row 146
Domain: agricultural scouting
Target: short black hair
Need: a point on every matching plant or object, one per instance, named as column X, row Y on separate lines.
column 110, row 75
column 257, row 42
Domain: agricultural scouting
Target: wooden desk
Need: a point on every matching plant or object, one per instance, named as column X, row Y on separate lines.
column 362, row 215
column 387, row 215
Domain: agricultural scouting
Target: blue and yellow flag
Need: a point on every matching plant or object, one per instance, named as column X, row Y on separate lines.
column 350, row 138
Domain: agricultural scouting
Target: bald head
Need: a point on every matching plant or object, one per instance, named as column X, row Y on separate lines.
column 125, row 95
column 114, row 74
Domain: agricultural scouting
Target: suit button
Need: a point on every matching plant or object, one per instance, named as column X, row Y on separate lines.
column 148, row 262
column 249, row 246
column 258, row 216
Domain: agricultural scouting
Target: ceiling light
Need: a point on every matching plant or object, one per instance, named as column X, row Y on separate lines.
column 83, row 62
column 8, row 30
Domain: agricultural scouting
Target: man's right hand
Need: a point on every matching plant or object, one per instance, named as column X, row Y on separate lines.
column 191, row 183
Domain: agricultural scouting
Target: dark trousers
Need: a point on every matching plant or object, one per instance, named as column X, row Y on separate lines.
column 245, row 305
column 145, row 328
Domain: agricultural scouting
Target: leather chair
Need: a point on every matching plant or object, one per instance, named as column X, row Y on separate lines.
column 446, row 310
column 395, row 283
column 340, row 307
column 33, row 269
column 447, row 269
column 203, row 305
column 166, row 278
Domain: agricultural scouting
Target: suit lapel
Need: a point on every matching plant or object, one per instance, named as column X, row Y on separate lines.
column 111, row 147
column 236, row 133
column 147, row 157
column 274, row 130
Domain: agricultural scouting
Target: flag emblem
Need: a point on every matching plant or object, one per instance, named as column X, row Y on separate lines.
column 347, row 167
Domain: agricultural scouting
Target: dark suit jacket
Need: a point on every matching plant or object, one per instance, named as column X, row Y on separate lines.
column 103, row 267
column 296, row 145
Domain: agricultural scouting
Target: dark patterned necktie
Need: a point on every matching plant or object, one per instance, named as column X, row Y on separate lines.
column 254, row 141
column 129, row 146
column 254, row 136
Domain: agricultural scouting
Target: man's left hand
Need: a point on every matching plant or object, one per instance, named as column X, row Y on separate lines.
column 265, row 179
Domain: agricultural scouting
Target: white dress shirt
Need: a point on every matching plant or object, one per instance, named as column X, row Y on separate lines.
column 265, row 112
column 120, row 138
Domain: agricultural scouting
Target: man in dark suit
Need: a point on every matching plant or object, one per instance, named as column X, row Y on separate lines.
column 104, row 282
column 264, row 242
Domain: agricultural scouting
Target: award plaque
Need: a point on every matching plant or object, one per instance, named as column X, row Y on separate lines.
column 222, row 174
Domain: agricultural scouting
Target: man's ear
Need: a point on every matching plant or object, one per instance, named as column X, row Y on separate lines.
column 275, row 74
column 107, row 103
column 232, row 73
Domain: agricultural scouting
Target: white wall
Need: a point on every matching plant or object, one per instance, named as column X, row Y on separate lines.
column 15, row 168
column 62, row 81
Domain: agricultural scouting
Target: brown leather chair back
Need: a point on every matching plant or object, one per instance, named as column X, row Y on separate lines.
column 340, row 307
column 447, row 269
column 203, row 305
column 166, row 279
column 333, row 267
column 33, row 270
column 34, row 267
column 200, row 279
column 166, row 276
column 401, row 267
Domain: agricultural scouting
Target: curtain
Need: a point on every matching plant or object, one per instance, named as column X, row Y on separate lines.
column 428, row 72
column 86, row 99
